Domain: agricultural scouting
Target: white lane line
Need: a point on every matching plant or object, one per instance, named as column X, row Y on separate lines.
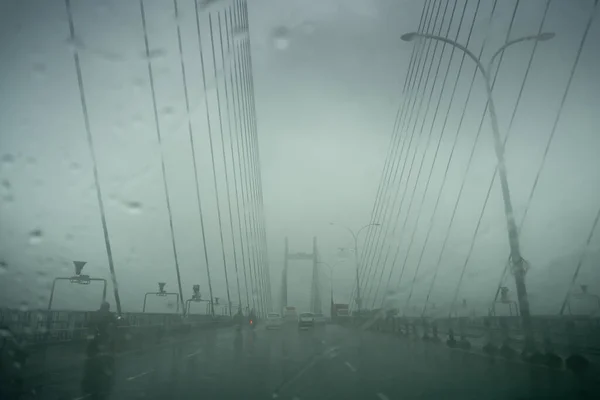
column 350, row 366
column 382, row 396
column 82, row 397
column 194, row 353
column 138, row 375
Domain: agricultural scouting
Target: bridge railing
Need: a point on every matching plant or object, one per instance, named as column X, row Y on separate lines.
column 39, row 327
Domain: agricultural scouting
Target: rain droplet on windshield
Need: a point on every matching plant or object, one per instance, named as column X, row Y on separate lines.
column 281, row 38
column 3, row 267
column 134, row 207
column 35, row 236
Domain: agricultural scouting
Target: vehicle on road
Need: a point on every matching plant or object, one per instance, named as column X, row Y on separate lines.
column 274, row 321
column 320, row 319
column 306, row 320
column 289, row 314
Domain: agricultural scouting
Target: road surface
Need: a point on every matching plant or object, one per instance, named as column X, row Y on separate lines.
column 328, row 362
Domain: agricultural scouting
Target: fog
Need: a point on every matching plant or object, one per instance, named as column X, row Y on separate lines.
column 328, row 78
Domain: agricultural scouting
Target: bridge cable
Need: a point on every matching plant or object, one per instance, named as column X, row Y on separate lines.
column 259, row 275
column 412, row 136
column 235, row 107
column 580, row 262
column 554, row 128
column 159, row 137
column 241, row 151
column 393, row 145
column 434, row 119
column 504, row 144
column 259, row 176
column 472, row 245
column 439, row 142
column 428, row 140
column 379, row 240
column 92, row 150
column 438, row 263
column 213, row 163
column 399, row 126
column 228, row 110
column 243, row 104
column 226, row 173
column 395, row 141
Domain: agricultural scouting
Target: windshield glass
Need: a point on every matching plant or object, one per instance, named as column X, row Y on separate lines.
column 422, row 175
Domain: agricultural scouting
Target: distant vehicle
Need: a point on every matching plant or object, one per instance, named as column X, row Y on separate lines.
column 274, row 321
column 343, row 313
column 306, row 320
column 289, row 314
column 320, row 319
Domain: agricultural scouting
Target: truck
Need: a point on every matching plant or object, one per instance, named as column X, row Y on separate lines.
column 339, row 312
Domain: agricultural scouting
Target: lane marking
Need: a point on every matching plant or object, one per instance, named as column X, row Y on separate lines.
column 350, row 366
column 194, row 353
column 138, row 375
column 382, row 396
column 82, row 397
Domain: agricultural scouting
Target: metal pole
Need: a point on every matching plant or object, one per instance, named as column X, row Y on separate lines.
column 513, row 237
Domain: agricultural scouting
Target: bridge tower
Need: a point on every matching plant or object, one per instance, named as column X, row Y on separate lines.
column 315, row 295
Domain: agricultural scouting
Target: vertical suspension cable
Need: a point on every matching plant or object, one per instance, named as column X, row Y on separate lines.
column 396, row 141
column 214, row 58
column 428, row 139
column 228, row 111
column 241, row 152
column 417, row 145
column 162, row 156
column 260, row 203
column 496, row 73
column 379, row 240
column 463, row 113
column 251, row 170
column 235, row 106
column 439, row 142
column 92, row 150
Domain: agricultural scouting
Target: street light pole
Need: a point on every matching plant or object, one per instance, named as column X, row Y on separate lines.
column 331, row 274
column 513, row 236
column 355, row 237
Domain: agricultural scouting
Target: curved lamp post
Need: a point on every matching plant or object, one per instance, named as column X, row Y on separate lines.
column 355, row 237
column 513, row 236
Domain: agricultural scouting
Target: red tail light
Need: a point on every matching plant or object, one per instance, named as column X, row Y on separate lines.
column 251, row 322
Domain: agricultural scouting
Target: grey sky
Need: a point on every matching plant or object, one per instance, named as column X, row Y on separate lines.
column 328, row 79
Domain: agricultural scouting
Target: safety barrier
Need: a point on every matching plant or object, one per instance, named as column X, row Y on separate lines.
column 571, row 342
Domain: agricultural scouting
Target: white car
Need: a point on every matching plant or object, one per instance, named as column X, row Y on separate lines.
column 306, row 320
column 274, row 321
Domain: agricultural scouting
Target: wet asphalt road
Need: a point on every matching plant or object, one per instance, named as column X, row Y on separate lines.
column 328, row 362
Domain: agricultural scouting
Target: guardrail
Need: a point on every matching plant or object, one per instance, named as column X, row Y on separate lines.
column 40, row 328
column 574, row 341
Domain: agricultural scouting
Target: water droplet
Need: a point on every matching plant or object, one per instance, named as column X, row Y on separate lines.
column 69, row 236
column 35, row 236
column 39, row 69
column 8, row 159
column 167, row 110
column 6, row 184
column 134, row 207
column 24, row 306
column 281, row 38
column 74, row 166
column 3, row 267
